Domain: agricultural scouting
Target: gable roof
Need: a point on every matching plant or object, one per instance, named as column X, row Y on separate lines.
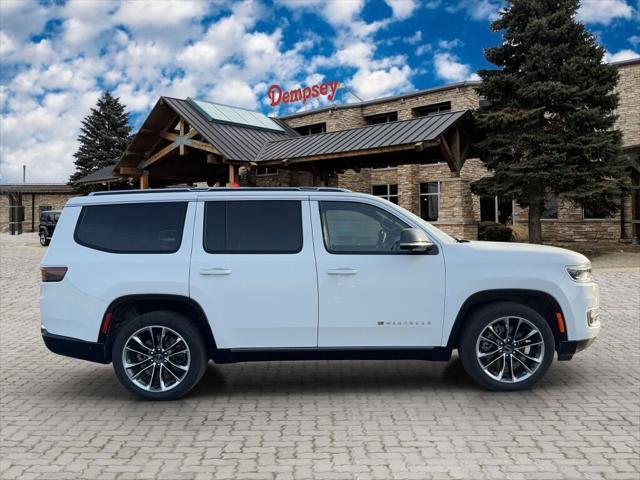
column 246, row 143
column 234, row 142
column 102, row 175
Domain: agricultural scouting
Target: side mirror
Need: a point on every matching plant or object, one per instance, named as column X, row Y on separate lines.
column 414, row 240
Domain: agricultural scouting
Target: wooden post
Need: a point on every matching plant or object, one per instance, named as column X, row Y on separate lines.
column 144, row 181
column 234, row 176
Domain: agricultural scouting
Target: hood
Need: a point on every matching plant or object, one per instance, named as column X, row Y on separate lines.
column 525, row 252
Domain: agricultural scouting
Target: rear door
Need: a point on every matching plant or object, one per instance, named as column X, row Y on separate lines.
column 253, row 270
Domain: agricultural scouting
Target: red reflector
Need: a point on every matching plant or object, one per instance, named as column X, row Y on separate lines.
column 106, row 321
column 53, row 274
column 560, row 322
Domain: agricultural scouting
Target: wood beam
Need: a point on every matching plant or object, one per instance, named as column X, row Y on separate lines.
column 207, row 147
column 183, row 128
column 159, row 155
column 449, row 156
column 130, row 171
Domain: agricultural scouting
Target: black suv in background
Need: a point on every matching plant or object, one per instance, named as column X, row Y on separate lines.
column 48, row 220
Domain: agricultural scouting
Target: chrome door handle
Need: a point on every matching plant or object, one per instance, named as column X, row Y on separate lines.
column 342, row 271
column 215, row 271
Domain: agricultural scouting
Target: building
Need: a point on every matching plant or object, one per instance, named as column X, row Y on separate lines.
column 413, row 149
column 22, row 203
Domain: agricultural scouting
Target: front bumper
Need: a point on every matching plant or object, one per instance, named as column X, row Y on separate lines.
column 74, row 347
column 567, row 349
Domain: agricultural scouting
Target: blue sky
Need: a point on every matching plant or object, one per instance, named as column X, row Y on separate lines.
column 56, row 57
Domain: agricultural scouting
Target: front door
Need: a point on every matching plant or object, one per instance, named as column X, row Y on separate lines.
column 253, row 271
column 371, row 294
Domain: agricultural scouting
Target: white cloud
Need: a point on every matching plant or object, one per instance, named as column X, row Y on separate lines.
column 604, row 11
column 423, row 49
column 449, row 68
column 415, row 38
column 449, row 44
column 621, row 56
column 634, row 40
column 152, row 13
column 377, row 83
column 480, row 10
column 341, row 12
column 402, row 9
column 85, row 20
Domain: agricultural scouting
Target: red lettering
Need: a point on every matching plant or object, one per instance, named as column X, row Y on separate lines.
column 306, row 93
column 273, row 91
column 277, row 96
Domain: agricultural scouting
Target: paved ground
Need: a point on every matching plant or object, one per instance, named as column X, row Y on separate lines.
column 62, row 418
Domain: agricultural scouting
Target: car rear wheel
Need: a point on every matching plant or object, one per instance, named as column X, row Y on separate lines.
column 507, row 346
column 44, row 241
column 159, row 355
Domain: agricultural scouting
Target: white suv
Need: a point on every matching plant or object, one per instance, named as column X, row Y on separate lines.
column 160, row 282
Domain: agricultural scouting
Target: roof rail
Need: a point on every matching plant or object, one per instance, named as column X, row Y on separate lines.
column 222, row 189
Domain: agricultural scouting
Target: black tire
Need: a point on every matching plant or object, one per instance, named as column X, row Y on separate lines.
column 191, row 336
column 44, row 241
column 481, row 319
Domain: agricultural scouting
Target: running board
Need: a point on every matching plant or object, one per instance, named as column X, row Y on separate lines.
column 234, row 355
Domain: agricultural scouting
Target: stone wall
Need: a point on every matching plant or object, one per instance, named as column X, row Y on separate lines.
column 344, row 117
column 54, row 200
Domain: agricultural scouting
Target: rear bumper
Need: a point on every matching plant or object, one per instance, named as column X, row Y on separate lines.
column 73, row 347
column 567, row 349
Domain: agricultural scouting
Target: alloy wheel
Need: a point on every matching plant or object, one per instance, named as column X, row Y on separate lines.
column 510, row 349
column 156, row 358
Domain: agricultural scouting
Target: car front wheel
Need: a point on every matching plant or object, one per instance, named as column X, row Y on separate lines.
column 159, row 355
column 507, row 346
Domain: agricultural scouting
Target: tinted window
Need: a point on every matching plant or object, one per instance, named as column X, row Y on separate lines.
column 349, row 227
column 253, row 226
column 132, row 227
column 550, row 210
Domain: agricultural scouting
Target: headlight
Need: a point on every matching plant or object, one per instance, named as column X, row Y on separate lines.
column 580, row 273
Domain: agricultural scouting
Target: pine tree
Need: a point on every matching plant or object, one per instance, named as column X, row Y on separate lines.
column 549, row 126
column 103, row 138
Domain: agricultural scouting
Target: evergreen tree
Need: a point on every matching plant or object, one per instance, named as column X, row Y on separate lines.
column 103, row 138
column 549, row 126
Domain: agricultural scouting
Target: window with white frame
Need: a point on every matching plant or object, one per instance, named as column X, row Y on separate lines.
column 388, row 192
column 429, row 201
column 266, row 171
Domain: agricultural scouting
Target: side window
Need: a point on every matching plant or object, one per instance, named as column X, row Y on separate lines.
column 253, row 226
column 351, row 227
column 132, row 227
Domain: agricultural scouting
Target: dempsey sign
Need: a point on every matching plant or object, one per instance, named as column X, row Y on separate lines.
column 277, row 96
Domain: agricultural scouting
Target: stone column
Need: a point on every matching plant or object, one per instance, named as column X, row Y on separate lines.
column 455, row 215
column 408, row 187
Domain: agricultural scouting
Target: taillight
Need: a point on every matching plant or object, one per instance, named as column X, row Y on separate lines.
column 53, row 274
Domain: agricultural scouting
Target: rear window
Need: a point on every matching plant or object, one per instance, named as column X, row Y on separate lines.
column 132, row 227
column 263, row 226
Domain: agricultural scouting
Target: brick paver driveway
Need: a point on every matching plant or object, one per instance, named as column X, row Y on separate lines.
column 64, row 418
